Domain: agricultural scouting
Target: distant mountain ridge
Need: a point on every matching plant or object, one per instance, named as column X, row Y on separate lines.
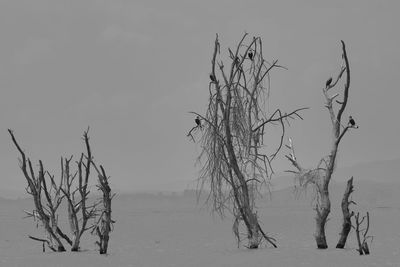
column 385, row 171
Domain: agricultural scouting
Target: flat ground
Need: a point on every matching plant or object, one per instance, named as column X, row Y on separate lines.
column 176, row 231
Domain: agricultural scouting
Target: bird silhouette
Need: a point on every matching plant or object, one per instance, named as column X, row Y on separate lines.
column 198, row 122
column 328, row 82
column 212, row 78
column 352, row 122
column 250, row 54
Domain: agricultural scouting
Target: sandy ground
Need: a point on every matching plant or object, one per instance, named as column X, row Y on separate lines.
column 176, row 231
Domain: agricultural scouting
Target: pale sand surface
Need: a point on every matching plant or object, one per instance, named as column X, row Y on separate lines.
column 175, row 231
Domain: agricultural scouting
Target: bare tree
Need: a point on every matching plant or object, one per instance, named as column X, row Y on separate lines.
column 346, row 226
column 320, row 177
column 362, row 245
column 45, row 206
column 234, row 161
column 75, row 191
column 79, row 212
column 104, row 224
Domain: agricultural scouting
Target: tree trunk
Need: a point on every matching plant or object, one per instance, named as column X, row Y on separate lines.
column 320, row 237
column 75, row 244
column 360, row 248
column 346, row 227
column 323, row 210
column 104, row 242
column 253, row 231
column 103, row 227
column 106, row 228
column 365, row 248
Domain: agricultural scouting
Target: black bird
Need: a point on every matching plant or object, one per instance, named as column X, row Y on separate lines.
column 328, row 82
column 250, row 54
column 198, row 122
column 212, row 77
column 351, row 121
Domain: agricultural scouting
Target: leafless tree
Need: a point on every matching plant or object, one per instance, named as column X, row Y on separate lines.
column 74, row 187
column 234, row 161
column 320, row 177
column 346, row 226
column 104, row 224
column 362, row 245
column 79, row 212
column 46, row 206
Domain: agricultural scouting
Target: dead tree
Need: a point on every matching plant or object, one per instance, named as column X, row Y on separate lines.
column 79, row 212
column 46, row 206
column 362, row 245
column 346, row 226
column 320, row 177
column 104, row 224
column 234, row 161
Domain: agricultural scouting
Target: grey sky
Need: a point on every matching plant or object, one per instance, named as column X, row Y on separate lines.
column 133, row 69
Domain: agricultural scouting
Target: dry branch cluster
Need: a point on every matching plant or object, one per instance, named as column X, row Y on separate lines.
column 362, row 233
column 73, row 186
column 234, row 160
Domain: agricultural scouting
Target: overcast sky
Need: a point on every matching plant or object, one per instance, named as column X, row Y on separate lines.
column 132, row 70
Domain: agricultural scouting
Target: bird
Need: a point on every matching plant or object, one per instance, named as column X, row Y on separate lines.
column 250, row 54
column 352, row 122
column 198, row 122
column 212, row 77
column 328, row 82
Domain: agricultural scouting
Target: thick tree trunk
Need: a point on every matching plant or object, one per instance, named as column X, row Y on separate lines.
column 253, row 232
column 346, row 227
column 104, row 242
column 106, row 227
column 323, row 210
column 75, row 244
column 320, row 237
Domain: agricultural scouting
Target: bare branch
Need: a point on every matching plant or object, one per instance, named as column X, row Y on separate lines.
column 347, row 84
column 272, row 118
column 47, row 216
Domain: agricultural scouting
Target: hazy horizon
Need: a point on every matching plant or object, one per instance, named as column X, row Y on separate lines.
column 382, row 173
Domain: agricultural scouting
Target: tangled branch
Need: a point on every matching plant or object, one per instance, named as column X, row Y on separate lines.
column 234, row 159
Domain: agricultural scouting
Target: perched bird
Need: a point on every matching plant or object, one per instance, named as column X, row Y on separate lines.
column 352, row 122
column 198, row 122
column 328, row 82
column 250, row 54
column 212, row 78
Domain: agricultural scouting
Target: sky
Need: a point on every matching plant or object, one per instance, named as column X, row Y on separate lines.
column 132, row 71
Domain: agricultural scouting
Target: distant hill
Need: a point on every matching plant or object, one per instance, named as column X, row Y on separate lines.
column 387, row 171
column 377, row 184
column 366, row 193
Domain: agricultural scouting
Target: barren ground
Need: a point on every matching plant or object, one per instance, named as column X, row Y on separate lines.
column 176, row 231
